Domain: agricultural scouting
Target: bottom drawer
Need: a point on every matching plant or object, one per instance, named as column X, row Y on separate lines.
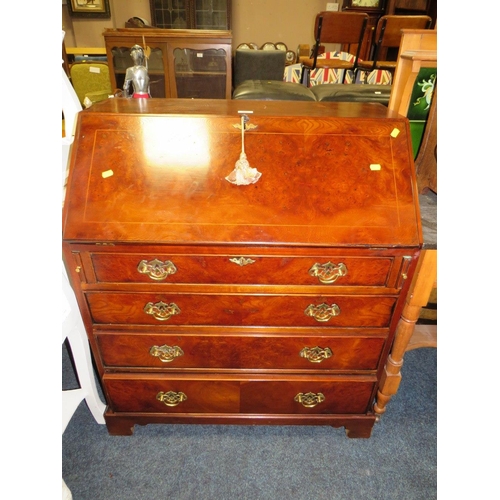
column 239, row 394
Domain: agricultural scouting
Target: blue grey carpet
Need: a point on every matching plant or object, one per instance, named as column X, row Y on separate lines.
column 209, row 462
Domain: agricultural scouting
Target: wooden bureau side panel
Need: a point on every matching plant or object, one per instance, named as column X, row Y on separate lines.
column 256, row 269
column 276, row 352
column 241, row 310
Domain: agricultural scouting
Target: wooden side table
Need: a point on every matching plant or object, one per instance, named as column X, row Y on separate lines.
column 418, row 49
column 408, row 334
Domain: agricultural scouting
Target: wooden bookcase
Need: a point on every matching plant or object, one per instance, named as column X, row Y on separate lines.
column 183, row 63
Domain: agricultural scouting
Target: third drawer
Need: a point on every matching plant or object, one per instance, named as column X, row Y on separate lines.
column 263, row 352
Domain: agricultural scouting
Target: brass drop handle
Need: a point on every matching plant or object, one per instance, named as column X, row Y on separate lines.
column 161, row 311
column 329, row 272
column 166, row 353
column 156, row 269
column 171, row 398
column 310, row 399
column 316, row 354
column 322, row 312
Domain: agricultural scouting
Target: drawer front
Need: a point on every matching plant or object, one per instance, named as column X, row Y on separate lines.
column 158, row 394
column 305, row 397
column 340, row 270
column 240, row 310
column 170, row 352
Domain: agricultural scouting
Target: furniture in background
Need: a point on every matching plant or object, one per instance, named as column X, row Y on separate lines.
column 388, row 36
column 71, row 106
column 191, row 14
column 182, row 63
column 374, row 11
column 426, row 160
column 274, row 303
column 413, row 8
column 73, row 329
column 258, row 65
column 418, row 47
column 290, row 57
column 344, row 28
column 414, row 83
column 259, row 74
column 354, row 92
column 91, row 82
column 272, row 90
column 86, row 54
column 320, row 76
column 409, row 335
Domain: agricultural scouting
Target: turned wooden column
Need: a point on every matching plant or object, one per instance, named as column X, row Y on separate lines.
column 423, row 282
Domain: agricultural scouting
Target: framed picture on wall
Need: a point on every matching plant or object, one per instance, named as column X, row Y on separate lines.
column 364, row 5
column 89, row 8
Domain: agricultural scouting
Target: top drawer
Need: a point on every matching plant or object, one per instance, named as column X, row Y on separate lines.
column 331, row 268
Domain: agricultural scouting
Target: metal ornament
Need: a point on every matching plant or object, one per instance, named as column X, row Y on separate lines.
column 137, row 75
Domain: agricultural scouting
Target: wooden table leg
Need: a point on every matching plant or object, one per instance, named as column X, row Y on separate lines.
column 418, row 296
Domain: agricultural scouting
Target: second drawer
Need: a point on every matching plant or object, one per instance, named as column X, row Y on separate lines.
column 241, row 310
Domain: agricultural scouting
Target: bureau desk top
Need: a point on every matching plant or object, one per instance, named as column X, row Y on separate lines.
column 154, row 171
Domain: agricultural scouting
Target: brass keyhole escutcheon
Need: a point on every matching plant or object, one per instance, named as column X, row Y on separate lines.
column 241, row 261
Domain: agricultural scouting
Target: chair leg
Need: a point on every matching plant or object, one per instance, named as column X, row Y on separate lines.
column 304, row 76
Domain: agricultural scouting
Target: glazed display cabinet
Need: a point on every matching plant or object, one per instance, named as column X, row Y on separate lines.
column 191, row 14
column 194, row 64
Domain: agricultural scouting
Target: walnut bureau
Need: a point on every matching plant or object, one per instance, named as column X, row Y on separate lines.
column 269, row 303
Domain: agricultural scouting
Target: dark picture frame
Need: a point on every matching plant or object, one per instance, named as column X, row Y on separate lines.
column 364, row 5
column 89, row 8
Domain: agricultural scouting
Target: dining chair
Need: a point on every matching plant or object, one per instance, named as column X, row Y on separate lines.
column 388, row 36
column 344, row 28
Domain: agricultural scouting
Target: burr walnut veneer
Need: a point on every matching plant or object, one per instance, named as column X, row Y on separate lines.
column 215, row 303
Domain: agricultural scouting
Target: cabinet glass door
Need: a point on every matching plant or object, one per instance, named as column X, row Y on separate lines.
column 200, row 73
column 191, row 14
column 171, row 14
column 211, row 14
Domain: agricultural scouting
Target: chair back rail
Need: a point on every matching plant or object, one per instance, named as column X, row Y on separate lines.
column 344, row 28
